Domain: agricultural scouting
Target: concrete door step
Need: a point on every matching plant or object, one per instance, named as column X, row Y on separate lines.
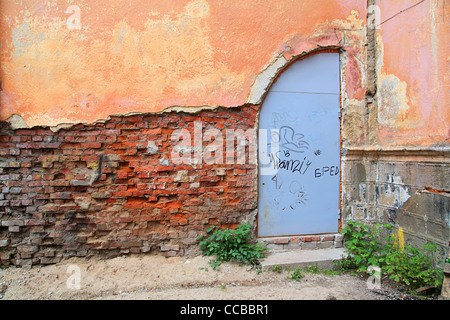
column 297, row 258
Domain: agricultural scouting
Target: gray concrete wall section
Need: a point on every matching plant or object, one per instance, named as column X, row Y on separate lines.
column 409, row 189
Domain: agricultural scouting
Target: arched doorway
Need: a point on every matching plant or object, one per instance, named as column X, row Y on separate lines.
column 299, row 150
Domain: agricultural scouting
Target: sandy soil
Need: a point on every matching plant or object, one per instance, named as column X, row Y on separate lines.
column 156, row 277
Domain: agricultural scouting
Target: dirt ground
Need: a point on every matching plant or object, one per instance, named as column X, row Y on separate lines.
column 158, row 278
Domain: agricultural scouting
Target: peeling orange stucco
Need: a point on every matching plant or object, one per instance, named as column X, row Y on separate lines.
column 413, row 73
column 144, row 56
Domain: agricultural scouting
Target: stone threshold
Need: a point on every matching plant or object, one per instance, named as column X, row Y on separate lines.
column 323, row 259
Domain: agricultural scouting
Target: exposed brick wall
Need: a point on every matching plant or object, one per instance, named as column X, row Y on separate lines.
column 111, row 188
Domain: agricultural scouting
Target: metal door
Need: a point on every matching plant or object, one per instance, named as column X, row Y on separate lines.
column 299, row 150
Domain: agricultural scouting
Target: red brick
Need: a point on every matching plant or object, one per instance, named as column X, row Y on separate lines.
column 122, row 194
column 152, row 131
column 173, row 204
column 142, row 186
column 89, row 158
column 110, row 132
column 164, row 179
column 89, row 132
column 163, row 192
column 93, row 145
column 190, row 118
column 34, row 222
column 281, row 240
column 183, row 167
column 15, row 203
column 61, row 195
column 164, row 168
column 28, row 145
column 143, row 175
column 142, row 189
column 122, row 175
column 140, row 193
column 27, row 132
column 44, row 132
column 189, row 203
column 135, row 204
column 129, row 144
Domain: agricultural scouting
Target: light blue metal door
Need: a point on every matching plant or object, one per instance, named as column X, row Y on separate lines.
column 299, row 150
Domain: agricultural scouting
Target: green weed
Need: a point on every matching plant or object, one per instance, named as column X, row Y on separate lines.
column 231, row 245
column 297, row 275
column 376, row 246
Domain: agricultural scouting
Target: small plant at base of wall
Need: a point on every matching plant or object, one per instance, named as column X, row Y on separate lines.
column 376, row 246
column 231, row 245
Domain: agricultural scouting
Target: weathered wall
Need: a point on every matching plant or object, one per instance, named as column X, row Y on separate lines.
column 93, row 188
column 400, row 174
column 111, row 188
column 408, row 189
column 97, row 187
column 139, row 56
column 413, row 86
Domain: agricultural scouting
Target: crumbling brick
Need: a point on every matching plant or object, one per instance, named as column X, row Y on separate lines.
column 64, row 193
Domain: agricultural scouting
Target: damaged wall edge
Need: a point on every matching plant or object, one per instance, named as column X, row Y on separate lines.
column 258, row 91
column 17, row 122
column 376, row 179
column 100, row 190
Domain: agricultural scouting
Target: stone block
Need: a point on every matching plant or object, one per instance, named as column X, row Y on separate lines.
column 165, row 247
column 309, row 245
column 49, row 260
column 339, row 241
column 49, row 253
column 14, row 229
column 4, row 243
column 101, row 195
column 325, row 244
